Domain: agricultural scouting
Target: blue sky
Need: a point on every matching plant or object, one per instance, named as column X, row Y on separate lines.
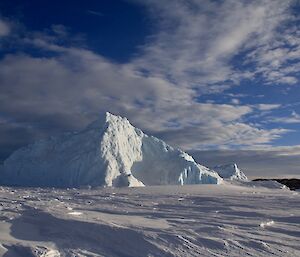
column 203, row 75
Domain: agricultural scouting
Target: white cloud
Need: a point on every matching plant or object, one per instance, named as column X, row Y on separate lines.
column 284, row 79
column 277, row 59
column 50, row 90
column 293, row 118
column 197, row 40
column 267, row 107
column 158, row 90
column 278, row 150
column 4, row 28
column 218, row 135
column 99, row 14
column 235, row 101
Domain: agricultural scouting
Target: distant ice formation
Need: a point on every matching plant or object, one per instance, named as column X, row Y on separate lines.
column 109, row 152
column 230, row 172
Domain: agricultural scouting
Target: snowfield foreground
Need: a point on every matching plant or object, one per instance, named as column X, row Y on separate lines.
column 195, row 220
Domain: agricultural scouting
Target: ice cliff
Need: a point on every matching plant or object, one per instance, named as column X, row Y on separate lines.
column 109, row 152
column 230, row 172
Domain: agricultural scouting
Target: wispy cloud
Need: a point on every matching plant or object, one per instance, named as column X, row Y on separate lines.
column 293, row 118
column 268, row 107
column 198, row 40
column 191, row 53
column 51, row 90
column 235, row 101
column 4, row 28
column 277, row 59
column 99, row 14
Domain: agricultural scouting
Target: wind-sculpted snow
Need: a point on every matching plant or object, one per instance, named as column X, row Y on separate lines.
column 231, row 172
column 208, row 220
column 109, row 152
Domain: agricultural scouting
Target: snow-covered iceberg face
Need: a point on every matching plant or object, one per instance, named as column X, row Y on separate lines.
column 109, row 152
column 230, row 172
column 163, row 165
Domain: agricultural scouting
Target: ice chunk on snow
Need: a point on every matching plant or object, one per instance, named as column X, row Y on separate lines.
column 231, row 172
column 51, row 253
column 266, row 224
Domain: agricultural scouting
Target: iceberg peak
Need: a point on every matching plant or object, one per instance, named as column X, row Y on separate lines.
column 104, row 119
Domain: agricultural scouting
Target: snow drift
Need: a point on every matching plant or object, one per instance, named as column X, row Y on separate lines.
column 109, row 152
column 230, row 172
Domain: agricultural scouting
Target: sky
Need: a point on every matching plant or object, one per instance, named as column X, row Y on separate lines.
column 217, row 78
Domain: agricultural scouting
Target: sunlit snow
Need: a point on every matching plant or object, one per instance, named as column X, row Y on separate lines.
column 193, row 220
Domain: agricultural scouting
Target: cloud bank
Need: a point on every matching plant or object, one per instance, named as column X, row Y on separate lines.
column 198, row 48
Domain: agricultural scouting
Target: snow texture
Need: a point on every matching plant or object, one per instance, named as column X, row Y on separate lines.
column 230, row 172
column 208, row 220
column 109, row 152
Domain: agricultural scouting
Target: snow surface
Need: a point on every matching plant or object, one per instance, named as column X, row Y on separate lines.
column 231, row 172
column 207, row 220
column 109, row 152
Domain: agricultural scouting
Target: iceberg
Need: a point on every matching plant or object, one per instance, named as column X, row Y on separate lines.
column 108, row 152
